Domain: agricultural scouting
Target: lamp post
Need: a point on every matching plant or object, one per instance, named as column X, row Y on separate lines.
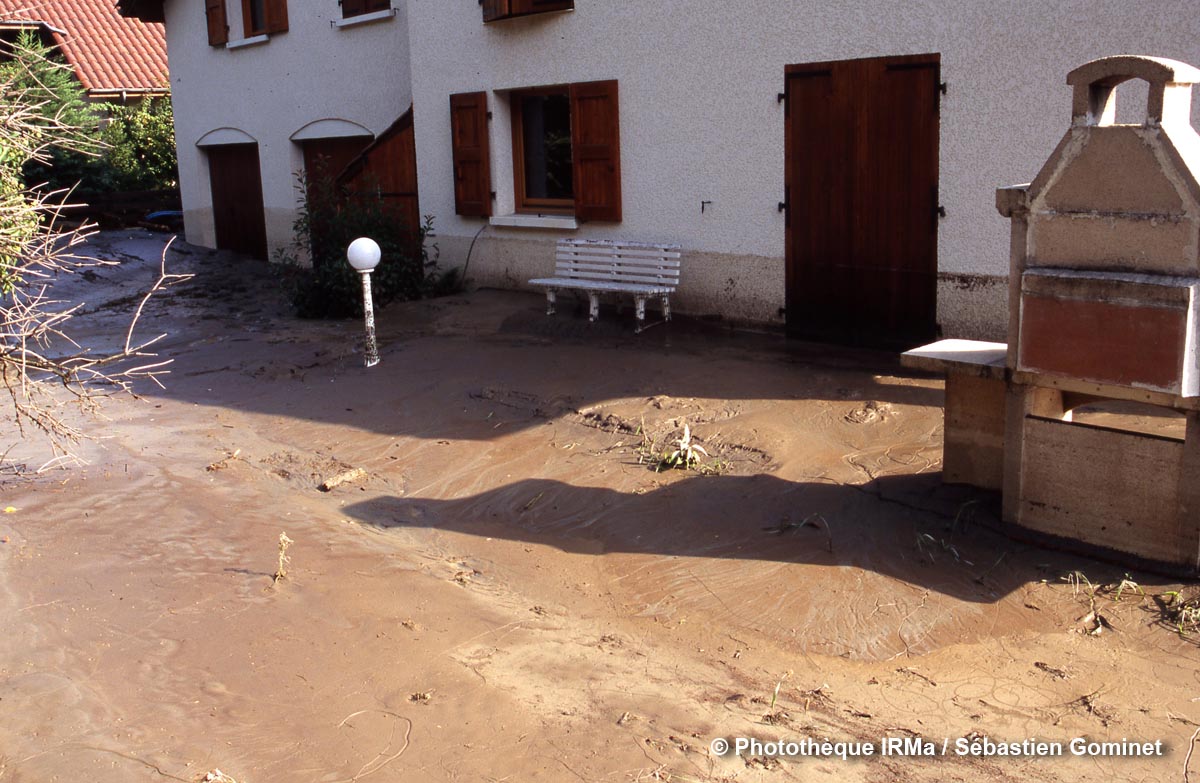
column 363, row 254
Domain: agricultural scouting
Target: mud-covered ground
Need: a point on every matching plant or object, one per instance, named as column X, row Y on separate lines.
column 511, row 592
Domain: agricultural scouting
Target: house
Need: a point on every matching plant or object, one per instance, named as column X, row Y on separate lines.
column 263, row 89
column 828, row 169
column 116, row 59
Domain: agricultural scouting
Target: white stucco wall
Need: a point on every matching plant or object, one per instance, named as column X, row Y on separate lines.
column 313, row 71
column 700, row 121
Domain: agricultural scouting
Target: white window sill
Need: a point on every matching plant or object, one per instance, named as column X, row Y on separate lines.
column 535, row 221
column 253, row 40
column 374, row 16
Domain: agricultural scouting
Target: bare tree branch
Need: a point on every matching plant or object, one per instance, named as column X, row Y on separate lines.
column 36, row 248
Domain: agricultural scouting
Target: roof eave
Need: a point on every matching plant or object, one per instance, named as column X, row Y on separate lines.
column 29, row 24
column 103, row 92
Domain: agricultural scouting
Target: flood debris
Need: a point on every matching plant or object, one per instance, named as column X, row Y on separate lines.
column 223, row 463
column 345, row 477
column 284, row 559
column 217, row 776
column 868, row 412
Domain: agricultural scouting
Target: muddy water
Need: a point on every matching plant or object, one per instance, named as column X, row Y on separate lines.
column 513, row 592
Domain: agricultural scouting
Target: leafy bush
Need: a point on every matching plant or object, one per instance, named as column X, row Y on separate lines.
column 329, row 220
column 39, row 75
column 140, row 141
column 134, row 150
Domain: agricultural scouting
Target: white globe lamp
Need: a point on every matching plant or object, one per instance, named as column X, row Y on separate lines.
column 364, row 254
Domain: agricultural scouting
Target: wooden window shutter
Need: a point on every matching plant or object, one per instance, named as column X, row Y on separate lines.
column 596, row 145
column 218, row 27
column 277, row 16
column 353, row 8
column 472, row 164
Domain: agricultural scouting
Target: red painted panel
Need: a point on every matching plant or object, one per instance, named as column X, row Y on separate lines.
column 1125, row 345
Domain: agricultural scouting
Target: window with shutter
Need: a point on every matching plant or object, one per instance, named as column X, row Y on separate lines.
column 567, row 150
column 596, row 147
column 254, row 17
column 352, row 8
column 218, row 28
column 263, row 17
column 472, row 159
column 542, row 162
column 494, row 10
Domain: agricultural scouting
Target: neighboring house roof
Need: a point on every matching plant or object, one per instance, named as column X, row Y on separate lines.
column 109, row 52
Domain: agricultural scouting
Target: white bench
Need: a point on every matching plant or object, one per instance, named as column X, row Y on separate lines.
column 598, row 266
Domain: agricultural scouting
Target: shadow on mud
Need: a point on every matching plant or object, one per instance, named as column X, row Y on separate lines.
column 912, row 528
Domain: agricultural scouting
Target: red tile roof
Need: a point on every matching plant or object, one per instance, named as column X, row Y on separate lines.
column 107, row 51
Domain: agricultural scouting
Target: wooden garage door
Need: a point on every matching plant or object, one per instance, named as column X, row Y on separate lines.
column 387, row 169
column 862, row 202
column 237, row 199
column 329, row 157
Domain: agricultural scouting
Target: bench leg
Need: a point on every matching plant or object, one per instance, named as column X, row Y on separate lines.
column 550, row 298
column 593, row 307
column 666, row 309
column 641, row 308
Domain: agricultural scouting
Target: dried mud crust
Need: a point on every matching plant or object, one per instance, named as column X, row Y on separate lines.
column 507, row 594
column 655, row 431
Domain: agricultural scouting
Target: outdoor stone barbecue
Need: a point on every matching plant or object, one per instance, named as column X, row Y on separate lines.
column 1103, row 284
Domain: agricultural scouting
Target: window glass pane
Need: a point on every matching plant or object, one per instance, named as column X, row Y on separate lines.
column 546, row 127
column 258, row 15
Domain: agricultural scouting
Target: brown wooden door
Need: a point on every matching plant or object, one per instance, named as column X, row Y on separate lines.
column 862, row 203
column 387, row 170
column 329, row 157
column 237, row 199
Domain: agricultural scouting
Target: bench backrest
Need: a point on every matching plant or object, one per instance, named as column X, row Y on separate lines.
column 622, row 262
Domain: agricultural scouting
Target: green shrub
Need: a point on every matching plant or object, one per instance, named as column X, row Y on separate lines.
column 42, row 78
column 140, row 141
column 134, row 150
column 41, row 111
column 329, row 220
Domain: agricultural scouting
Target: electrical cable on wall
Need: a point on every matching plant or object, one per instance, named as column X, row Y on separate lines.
column 467, row 263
